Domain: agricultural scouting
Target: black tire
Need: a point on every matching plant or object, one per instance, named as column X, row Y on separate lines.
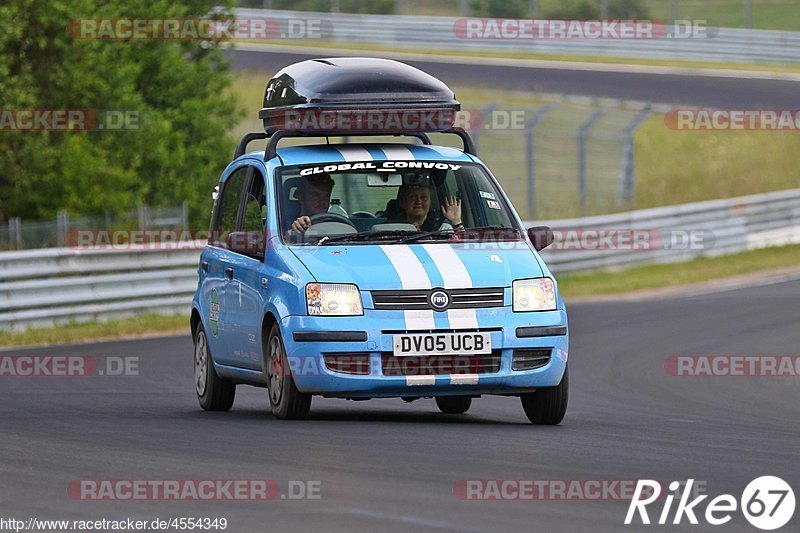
column 453, row 405
column 213, row 392
column 287, row 402
column 547, row 406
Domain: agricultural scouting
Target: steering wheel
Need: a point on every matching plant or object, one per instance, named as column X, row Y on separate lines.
column 331, row 217
column 433, row 222
column 363, row 214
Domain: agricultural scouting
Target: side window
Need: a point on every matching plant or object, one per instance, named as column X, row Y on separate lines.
column 255, row 211
column 229, row 204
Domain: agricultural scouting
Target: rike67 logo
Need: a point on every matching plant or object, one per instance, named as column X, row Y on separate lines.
column 767, row 502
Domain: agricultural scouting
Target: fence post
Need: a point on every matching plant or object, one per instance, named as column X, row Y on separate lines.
column 673, row 10
column 185, row 215
column 603, row 9
column 476, row 131
column 748, row 13
column 533, row 9
column 62, row 227
column 531, row 156
column 144, row 217
column 463, row 8
column 583, row 132
column 627, row 185
column 15, row 233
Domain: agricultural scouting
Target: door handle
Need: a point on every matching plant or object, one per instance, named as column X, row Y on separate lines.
column 229, row 273
column 204, row 265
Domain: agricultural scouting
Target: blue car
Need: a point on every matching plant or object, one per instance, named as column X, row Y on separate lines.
column 374, row 270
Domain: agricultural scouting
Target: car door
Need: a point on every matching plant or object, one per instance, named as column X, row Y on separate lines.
column 217, row 262
column 244, row 295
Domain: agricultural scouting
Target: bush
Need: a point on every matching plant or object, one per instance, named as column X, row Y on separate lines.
column 178, row 89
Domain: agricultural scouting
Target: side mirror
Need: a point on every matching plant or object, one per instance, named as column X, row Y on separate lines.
column 541, row 237
column 250, row 243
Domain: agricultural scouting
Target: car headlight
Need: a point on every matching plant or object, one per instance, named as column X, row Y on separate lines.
column 333, row 299
column 537, row 294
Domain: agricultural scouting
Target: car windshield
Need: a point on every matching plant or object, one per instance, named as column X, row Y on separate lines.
column 391, row 202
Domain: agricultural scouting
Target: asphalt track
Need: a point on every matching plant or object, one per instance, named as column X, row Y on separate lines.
column 674, row 89
column 389, row 466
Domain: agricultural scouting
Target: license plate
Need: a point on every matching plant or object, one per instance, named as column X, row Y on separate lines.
column 443, row 344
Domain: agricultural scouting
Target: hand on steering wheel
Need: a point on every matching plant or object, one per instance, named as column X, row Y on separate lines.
column 330, row 217
column 302, row 223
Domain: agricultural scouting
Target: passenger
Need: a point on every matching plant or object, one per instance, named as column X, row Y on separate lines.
column 415, row 202
column 314, row 194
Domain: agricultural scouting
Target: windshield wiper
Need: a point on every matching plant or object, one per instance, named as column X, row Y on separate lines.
column 363, row 236
column 426, row 234
column 489, row 228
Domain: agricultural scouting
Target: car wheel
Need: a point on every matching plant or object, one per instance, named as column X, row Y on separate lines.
column 287, row 402
column 548, row 405
column 453, row 405
column 213, row 392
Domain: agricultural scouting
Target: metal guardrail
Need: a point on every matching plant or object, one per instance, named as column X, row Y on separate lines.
column 437, row 33
column 719, row 226
column 61, row 285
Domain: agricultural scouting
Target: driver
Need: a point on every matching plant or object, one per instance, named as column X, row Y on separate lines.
column 314, row 194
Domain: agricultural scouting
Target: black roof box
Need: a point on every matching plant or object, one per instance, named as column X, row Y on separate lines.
column 336, row 94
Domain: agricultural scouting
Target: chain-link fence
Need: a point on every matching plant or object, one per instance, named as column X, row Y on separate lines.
column 22, row 235
column 559, row 160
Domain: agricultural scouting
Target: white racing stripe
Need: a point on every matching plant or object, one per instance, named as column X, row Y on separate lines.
column 412, row 276
column 445, row 151
column 463, row 379
column 354, row 153
column 455, row 276
column 394, row 153
column 420, row 380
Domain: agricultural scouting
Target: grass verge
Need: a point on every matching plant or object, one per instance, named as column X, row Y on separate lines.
column 674, row 274
column 143, row 325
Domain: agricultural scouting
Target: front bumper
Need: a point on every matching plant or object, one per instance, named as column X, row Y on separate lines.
column 308, row 339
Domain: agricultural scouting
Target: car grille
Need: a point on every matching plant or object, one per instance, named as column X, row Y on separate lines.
column 436, row 365
column 528, row 359
column 418, row 299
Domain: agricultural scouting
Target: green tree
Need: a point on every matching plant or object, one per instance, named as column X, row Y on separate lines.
column 176, row 89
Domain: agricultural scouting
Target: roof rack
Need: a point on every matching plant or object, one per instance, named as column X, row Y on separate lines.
column 274, row 139
column 246, row 139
